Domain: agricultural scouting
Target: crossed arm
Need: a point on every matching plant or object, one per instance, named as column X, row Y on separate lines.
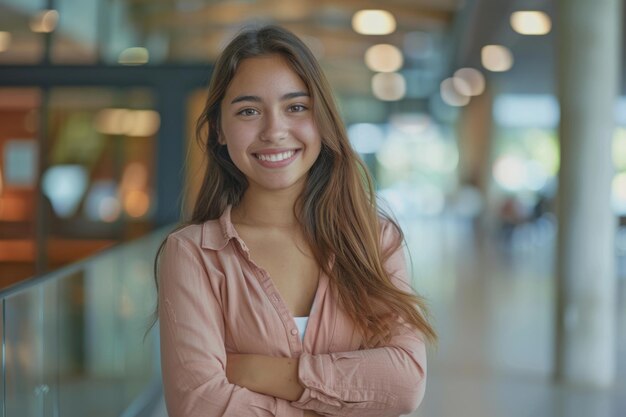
column 202, row 379
column 276, row 377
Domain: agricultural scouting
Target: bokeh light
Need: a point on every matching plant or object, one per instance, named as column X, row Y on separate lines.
column 45, row 21
column 383, row 58
column 366, row 138
column 5, row 40
column 134, row 56
column 451, row 96
column 472, row 78
column 531, row 22
column 137, row 123
column 619, row 193
column 65, row 185
column 389, row 86
column 619, row 149
column 496, row 58
column 373, row 22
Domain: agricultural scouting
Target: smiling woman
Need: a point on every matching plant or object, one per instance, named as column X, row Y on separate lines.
column 286, row 294
column 267, row 125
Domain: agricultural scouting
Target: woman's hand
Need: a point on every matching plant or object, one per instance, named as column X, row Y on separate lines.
column 277, row 377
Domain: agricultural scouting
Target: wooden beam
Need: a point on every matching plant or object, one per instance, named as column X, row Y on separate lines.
column 292, row 11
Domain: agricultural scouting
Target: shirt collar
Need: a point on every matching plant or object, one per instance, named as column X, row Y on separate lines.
column 217, row 233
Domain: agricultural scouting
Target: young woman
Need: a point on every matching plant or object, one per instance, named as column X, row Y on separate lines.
column 287, row 293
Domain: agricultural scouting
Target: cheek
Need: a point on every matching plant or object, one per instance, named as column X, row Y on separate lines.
column 234, row 135
column 309, row 131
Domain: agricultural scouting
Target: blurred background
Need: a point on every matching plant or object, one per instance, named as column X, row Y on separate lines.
column 460, row 109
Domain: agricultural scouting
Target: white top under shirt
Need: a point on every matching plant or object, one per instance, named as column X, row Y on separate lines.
column 301, row 323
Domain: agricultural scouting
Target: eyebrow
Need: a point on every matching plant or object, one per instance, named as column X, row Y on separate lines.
column 287, row 96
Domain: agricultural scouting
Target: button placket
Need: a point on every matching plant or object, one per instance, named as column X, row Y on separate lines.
column 295, row 344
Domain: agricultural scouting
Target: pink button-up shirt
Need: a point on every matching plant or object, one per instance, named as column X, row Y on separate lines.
column 214, row 300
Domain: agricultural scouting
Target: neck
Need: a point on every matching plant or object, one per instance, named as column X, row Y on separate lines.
column 275, row 209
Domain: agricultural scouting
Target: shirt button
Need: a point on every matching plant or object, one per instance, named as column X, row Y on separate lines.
column 294, row 332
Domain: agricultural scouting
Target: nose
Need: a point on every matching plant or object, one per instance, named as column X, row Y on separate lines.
column 274, row 128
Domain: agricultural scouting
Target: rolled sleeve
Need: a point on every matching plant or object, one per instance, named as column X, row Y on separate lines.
column 380, row 382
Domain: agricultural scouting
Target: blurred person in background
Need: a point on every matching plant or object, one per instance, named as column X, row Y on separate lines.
column 287, row 293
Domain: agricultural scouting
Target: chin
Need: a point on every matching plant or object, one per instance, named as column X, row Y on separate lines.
column 282, row 185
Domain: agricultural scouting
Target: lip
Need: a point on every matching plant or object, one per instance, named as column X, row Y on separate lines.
column 276, row 164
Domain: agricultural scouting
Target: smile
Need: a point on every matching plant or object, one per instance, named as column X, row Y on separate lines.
column 276, row 157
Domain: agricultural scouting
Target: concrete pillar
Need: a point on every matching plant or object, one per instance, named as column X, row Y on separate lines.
column 589, row 57
column 474, row 134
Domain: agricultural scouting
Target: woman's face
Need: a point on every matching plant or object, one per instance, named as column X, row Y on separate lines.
column 267, row 124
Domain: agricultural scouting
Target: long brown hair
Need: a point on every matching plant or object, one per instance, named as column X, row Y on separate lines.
column 337, row 208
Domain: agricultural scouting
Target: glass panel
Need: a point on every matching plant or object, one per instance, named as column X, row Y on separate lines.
column 105, row 361
column 75, row 343
column 31, row 351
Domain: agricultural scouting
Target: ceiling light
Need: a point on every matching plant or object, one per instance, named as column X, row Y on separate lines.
column 45, row 21
column 373, row 22
column 134, row 56
column 451, row 96
column 531, row 23
column 136, row 203
column 113, row 121
column 145, row 123
column 461, row 86
column 136, row 123
column 496, row 58
column 135, row 177
column 5, row 41
column 65, row 185
column 388, row 86
column 472, row 78
column 510, row 172
column 383, row 58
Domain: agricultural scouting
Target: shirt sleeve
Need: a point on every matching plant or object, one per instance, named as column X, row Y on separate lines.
column 379, row 382
column 193, row 354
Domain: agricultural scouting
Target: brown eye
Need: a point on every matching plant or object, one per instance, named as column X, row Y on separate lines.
column 248, row 112
column 296, row 108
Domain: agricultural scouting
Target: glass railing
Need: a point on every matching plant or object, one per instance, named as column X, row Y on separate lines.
column 74, row 341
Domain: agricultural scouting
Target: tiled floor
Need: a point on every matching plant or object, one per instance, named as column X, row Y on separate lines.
column 492, row 303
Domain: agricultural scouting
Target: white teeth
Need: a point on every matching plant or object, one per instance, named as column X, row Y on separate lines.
column 276, row 157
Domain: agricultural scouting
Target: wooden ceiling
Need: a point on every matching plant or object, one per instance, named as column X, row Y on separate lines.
column 194, row 31
column 198, row 30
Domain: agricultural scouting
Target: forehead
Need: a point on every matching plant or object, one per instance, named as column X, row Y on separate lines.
column 270, row 74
